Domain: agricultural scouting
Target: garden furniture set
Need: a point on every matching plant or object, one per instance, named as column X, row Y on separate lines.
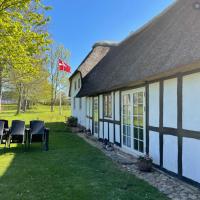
column 19, row 134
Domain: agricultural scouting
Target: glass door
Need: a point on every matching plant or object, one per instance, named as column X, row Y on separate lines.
column 138, row 121
column 96, row 116
column 126, row 120
column 133, row 120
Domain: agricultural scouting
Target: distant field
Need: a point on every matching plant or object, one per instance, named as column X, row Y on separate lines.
column 39, row 112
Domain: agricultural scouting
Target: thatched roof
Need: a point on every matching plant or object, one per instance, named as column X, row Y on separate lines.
column 99, row 50
column 167, row 43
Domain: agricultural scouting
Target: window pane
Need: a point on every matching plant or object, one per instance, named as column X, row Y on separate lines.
column 135, row 144
column 105, row 106
column 128, row 131
column 136, row 133
column 141, row 135
column 124, row 130
column 124, row 109
column 135, row 99
column 140, row 109
column 124, row 140
column 135, row 110
column 135, row 121
column 109, row 105
column 141, row 146
column 140, row 118
column 128, row 142
column 140, row 97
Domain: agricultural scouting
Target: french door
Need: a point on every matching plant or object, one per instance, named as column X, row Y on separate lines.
column 96, row 116
column 133, row 121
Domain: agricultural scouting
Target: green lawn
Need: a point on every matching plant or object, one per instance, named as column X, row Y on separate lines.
column 71, row 169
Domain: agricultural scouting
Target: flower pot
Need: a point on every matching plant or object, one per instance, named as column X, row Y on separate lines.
column 145, row 165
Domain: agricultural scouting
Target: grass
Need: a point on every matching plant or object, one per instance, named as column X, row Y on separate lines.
column 71, row 169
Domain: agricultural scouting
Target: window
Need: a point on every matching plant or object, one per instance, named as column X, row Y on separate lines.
column 138, row 123
column 80, row 103
column 96, row 114
column 79, row 83
column 126, row 120
column 108, row 105
column 133, row 120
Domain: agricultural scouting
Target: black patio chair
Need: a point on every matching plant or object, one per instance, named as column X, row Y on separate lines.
column 3, row 136
column 17, row 133
column 6, row 127
column 38, row 133
column 5, row 123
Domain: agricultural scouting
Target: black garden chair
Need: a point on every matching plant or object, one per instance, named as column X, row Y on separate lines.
column 5, row 123
column 38, row 133
column 6, row 127
column 3, row 136
column 17, row 133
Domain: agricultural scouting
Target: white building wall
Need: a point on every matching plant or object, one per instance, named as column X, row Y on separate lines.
column 191, row 100
column 91, row 125
column 154, row 95
column 170, row 153
column 170, row 103
column 78, row 112
column 190, row 159
column 111, row 132
column 154, row 147
column 117, row 133
column 105, row 130
column 101, row 130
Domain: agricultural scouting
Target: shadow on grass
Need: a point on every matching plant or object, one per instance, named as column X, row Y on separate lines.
column 71, row 169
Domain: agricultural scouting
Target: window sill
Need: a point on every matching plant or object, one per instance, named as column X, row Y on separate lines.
column 105, row 117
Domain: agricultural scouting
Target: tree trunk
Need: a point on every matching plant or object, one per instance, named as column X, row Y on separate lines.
column 24, row 105
column 52, row 100
column 19, row 99
column 1, row 87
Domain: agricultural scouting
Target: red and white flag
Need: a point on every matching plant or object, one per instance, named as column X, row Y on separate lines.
column 62, row 66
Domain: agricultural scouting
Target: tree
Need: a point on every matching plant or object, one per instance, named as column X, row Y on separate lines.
column 59, row 80
column 23, row 41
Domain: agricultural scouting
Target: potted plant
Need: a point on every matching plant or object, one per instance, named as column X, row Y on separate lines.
column 72, row 122
column 145, row 163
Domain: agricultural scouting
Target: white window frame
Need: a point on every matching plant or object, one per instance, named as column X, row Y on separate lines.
column 125, row 148
column 104, row 115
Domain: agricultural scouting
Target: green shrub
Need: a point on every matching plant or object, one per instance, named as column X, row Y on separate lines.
column 72, row 121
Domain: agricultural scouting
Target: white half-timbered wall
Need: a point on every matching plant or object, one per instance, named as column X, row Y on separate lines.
column 191, row 121
column 154, row 112
column 163, row 100
column 170, row 103
column 78, row 110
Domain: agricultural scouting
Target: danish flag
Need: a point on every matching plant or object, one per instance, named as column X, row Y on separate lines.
column 63, row 66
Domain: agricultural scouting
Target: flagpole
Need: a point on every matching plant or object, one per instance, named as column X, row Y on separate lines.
column 60, row 101
column 66, row 68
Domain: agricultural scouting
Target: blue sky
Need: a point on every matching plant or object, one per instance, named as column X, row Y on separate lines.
column 78, row 24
